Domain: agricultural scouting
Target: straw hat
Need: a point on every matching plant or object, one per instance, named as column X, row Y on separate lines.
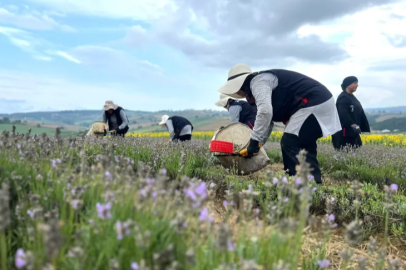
column 236, row 77
column 223, row 101
column 164, row 119
column 109, row 105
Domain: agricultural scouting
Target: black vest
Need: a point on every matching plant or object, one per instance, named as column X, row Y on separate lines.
column 179, row 123
column 118, row 117
column 248, row 113
column 294, row 92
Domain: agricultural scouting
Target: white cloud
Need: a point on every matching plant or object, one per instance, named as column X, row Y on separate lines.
column 65, row 56
column 130, row 9
column 31, row 20
column 41, row 92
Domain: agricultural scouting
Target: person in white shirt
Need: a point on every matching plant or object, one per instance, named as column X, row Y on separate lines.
column 239, row 110
column 304, row 105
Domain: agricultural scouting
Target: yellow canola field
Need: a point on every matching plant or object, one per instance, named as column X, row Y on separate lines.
column 380, row 139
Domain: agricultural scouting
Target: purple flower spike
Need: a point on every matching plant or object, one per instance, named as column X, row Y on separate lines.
column 230, row 245
column 394, row 187
column 204, row 214
column 323, row 263
column 275, row 181
column 20, row 259
column 134, row 266
column 331, row 217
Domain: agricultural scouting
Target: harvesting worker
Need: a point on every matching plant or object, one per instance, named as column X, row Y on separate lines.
column 352, row 116
column 239, row 110
column 179, row 128
column 304, row 105
column 116, row 118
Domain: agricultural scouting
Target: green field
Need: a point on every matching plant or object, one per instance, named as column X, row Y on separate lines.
column 23, row 129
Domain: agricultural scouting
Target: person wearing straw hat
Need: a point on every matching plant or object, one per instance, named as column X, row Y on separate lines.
column 304, row 105
column 116, row 118
column 352, row 116
column 239, row 110
column 179, row 128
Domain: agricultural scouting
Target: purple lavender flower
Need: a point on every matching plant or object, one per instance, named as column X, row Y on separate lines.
column 394, row 187
column 333, row 199
column 108, row 176
column 250, row 187
column 18, row 146
column 298, row 181
column 230, row 245
column 103, row 210
column 31, row 213
column 119, row 230
column 134, row 266
column 201, row 190
column 285, row 180
column 331, row 217
column 117, row 159
column 58, row 161
column 20, row 261
column 204, row 215
column 275, row 181
column 323, row 263
column 53, row 163
column 225, row 203
column 286, row 200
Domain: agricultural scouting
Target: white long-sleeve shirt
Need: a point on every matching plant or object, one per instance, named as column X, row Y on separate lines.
column 186, row 130
column 262, row 86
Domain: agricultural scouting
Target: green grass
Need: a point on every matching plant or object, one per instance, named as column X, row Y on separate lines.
column 23, row 129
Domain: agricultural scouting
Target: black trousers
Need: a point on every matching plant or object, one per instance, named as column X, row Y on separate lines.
column 184, row 138
column 307, row 139
column 122, row 132
column 340, row 142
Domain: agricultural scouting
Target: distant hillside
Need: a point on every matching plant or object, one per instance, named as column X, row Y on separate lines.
column 390, row 110
column 75, row 122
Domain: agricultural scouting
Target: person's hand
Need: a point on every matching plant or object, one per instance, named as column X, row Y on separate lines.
column 356, row 128
column 252, row 150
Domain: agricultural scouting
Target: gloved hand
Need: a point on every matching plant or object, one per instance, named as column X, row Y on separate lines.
column 356, row 128
column 252, row 150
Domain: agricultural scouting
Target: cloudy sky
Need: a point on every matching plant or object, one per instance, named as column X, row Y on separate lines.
column 174, row 54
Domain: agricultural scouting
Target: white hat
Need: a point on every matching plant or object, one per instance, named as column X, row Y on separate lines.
column 223, row 101
column 109, row 105
column 236, row 77
column 164, row 119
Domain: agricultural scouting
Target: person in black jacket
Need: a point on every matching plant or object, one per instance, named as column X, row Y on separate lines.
column 239, row 110
column 352, row 116
column 116, row 118
column 179, row 128
column 304, row 105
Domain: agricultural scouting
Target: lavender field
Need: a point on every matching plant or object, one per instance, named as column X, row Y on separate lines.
column 140, row 203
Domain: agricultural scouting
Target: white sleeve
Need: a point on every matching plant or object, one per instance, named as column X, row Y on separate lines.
column 171, row 129
column 234, row 112
column 262, row 86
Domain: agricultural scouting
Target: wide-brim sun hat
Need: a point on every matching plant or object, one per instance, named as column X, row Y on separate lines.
column 236, row 77
column 109, row 105
column 223, row 101
column 164, row 119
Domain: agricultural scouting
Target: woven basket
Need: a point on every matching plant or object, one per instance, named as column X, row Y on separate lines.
column 240, row 135
column 97, row 129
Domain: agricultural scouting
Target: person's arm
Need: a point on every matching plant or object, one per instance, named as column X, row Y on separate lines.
column 262, row 86
column 343, row 109
column 104, row 117
column 234, row 112
column 124, row 118
column 171, row 129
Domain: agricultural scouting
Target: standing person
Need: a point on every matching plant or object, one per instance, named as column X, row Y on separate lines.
column 352, row 116
column 116, row 118
column 239, row 110
column 303, row 104
column 179, row 128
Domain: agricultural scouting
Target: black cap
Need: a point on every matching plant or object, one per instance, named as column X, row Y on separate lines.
column 347, row 81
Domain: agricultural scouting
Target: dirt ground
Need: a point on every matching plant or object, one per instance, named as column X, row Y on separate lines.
column 311, row 240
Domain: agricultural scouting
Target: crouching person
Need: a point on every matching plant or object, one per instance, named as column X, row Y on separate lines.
column 179, row 128
column 239, row 110
column 116, row 118
column 304, row 105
